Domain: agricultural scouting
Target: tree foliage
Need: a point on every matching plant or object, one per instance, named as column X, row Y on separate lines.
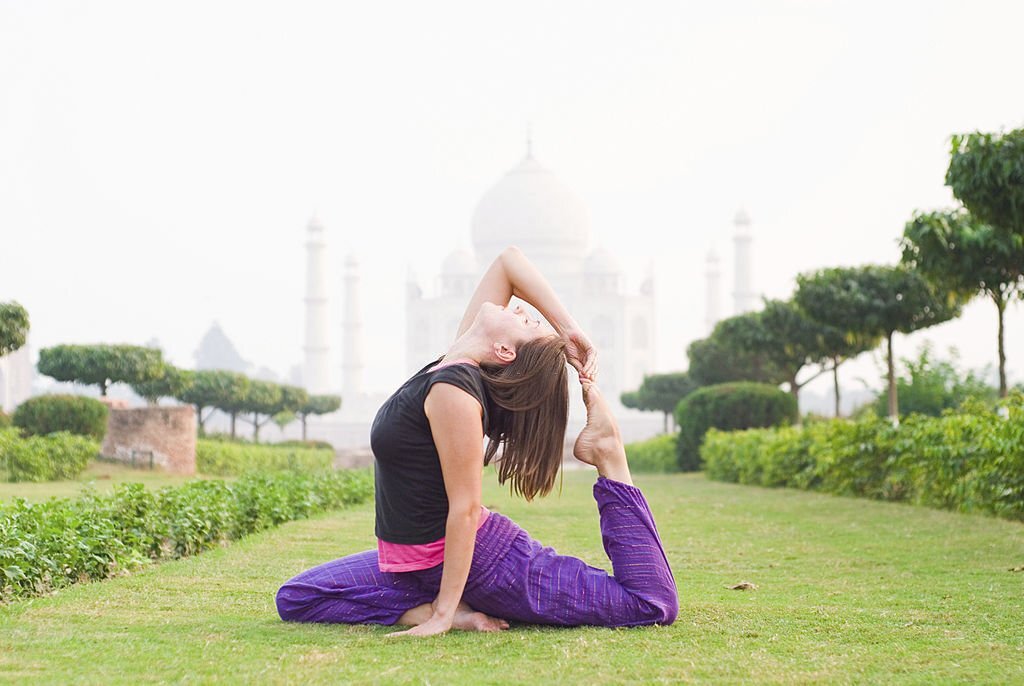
column 956, row 252
column 14, row 327
column 733, row 352
column 986, row 173
column 101, row 365
column 173, row 383
column 317, row 405
column 216, row 389
column 660, row 393
column 877, row 301
column 930, row 385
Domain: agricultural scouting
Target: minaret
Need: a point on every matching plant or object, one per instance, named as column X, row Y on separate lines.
column 713, row 274
column 743, row 296
column 316, row 366
column 352, row 334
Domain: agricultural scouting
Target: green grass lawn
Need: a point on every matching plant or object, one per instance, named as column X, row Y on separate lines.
column 99, row 474
column 849, row 591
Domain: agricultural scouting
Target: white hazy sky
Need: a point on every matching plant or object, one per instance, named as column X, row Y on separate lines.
column 159, row 162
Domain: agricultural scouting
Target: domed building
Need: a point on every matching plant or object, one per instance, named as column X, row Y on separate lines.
column 532, row 208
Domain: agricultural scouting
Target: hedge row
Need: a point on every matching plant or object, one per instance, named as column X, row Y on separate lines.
column 728, row 406
column 971, row 460
column 49, row 545
column 55, row 456
column 220, row 458
column 655, row 455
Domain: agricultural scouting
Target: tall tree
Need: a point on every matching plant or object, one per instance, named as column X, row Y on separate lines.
column 733, row 352
column 660, row 393
column 793, row 341
column 101, row 365
column 263, row 398
column 821, row 293
column 986, row 173
column 14, row 327
column 878, row 300
column 215, row 389
column 317, row 405
column 957, row 252
column 171, row 384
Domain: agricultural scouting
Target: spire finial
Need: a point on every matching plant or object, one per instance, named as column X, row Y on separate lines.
column 529, row 139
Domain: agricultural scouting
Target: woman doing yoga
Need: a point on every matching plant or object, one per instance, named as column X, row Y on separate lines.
column 442, row 560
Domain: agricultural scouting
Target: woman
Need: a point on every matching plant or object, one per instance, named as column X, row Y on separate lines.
column 442, row 560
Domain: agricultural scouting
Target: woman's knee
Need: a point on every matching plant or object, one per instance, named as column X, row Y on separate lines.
column 291, row 602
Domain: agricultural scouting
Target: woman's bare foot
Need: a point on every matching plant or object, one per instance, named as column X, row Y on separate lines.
column 600, row 443
column 468, row 619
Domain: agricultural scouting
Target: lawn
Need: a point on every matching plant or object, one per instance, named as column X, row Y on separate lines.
column 848, row 591
column 100, row 475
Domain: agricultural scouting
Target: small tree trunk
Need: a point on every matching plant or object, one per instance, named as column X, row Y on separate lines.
column 255, row 427
column 894, row 410
column 199, row 418
column 1001, row 306
column 103, row 389
column 835, row 381
column 303, row 427
column 233, row 424
column 664, row 426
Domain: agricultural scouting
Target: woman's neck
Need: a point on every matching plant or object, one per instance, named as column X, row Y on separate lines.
column 467, row 348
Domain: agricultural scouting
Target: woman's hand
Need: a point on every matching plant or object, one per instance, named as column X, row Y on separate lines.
column 437, row 624
column 581, row 353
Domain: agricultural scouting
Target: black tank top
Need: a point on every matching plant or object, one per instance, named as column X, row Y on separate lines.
column 411, row 503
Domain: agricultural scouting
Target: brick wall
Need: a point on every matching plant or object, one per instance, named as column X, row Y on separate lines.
column 165, row 435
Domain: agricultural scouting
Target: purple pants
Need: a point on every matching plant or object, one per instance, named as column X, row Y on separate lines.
column 512, row 577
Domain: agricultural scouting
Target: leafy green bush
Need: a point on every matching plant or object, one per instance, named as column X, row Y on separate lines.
column 5, row 420
column 75, row 414
column 970, row 460
column 304, row 444
column 655, row 455
column 728, row 406
column 932, row 385
column 225, row 458
column 56, row 456
column 48, row 545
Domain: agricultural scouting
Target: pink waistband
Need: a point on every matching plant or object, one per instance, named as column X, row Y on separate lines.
column 401, row 557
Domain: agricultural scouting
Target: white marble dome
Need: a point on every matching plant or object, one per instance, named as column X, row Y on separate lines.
column 531, row 207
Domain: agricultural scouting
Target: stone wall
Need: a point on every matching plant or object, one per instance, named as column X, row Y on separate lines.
column 163, row 436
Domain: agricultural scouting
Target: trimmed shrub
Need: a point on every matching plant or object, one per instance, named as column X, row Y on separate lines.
column 304, row 444
column 655, row 455
column 728, row 406
column 5, row 420
column 223, row 458
column 52, row 544
column 971, row 460
column 77, row 414
column 53, row 457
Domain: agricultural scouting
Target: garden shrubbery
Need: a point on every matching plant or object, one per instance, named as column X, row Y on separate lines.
column 77, row 414
column 5, row 420
column 224, row 458
column 59, row 455
column 48, row 545
column 728, row 406
column 655, row 455
column 971, row 460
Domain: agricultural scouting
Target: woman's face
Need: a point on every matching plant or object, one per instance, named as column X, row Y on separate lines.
column 512, row 324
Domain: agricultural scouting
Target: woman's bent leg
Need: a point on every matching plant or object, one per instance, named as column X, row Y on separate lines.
column 350, row 590
column 533, row 584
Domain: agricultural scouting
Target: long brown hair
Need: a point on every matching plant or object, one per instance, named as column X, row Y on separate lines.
column 528, row 415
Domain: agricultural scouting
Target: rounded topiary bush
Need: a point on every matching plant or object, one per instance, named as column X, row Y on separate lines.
column 728, row 407
column 75, row 414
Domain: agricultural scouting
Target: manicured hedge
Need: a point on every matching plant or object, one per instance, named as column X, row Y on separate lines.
column 59, row 455
column 75, row 414
column 728, row 406
column 221, row 458
column 49, row 545
column 655, row 455
column 971, row 460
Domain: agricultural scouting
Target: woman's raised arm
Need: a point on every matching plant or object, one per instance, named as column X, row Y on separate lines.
column 512, row 274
